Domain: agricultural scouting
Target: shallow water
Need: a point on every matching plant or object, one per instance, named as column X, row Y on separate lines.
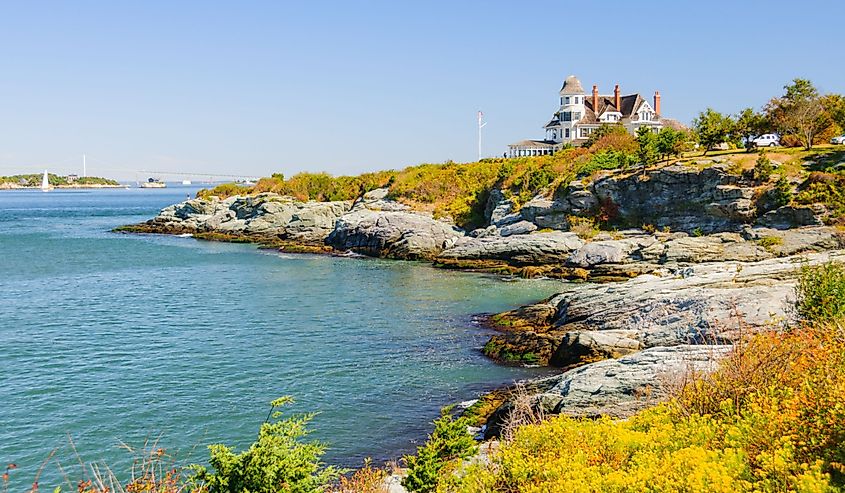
column 108, row 337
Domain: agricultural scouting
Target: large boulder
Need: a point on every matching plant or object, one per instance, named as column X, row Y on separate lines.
column 621, row 387
column 610, row 251
column 791, row 216
column 392, row 234
column 616, row 387
column 526, row 249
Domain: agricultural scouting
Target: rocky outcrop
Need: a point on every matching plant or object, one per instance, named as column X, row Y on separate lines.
column 262, row 215
column 700, row 304
column 404, row 235
column 679, row 197
column 625, row 345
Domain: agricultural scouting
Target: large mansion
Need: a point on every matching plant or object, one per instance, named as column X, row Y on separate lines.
column 580, row 114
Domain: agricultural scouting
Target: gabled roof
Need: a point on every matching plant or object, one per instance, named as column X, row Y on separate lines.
column 571, row 86
column 552, row 123
column 628, row 106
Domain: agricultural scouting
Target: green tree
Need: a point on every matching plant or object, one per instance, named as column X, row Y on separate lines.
column 670, row 142
column 749, row 124
column 799, row 111
column 834, row 104
column 647, row 153
column 782, row 193
column 278, row 462
column 712, row 128
column 450, row 440
column 763, row 168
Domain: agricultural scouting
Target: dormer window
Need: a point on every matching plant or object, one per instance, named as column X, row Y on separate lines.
column 567, row 99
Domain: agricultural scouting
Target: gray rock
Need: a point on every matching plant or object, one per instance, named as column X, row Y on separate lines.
column 621, row 387
column 577, row 347
column 520, row 228
column 392, row 234
column 539, row 206
column 377, row 194
column 797, row 240
column 582, row 201
column 609, row 251
column 711, row 248
column 790, row 216
column 532, row 249
column 376, row 200
column 498, row 207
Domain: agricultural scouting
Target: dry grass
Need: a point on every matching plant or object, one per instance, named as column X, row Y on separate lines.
column 525, row 410
column 368, row 479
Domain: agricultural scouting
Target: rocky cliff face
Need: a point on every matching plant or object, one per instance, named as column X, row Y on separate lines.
column 677, row 197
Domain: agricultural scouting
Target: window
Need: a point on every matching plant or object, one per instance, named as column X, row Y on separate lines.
column 577, row 116
column 561, row 100
column 567, row 99
column 566, row 132
column 567, row 116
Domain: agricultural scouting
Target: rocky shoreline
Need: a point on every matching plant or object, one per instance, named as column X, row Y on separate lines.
column 711, row 261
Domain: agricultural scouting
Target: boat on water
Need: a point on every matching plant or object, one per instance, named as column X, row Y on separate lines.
column 45, row 183
column 186, row 182
column 152, row 183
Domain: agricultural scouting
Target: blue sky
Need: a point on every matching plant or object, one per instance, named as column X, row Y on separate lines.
column 260, row 87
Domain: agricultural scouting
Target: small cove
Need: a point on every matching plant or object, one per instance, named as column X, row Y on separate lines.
column 108, row 337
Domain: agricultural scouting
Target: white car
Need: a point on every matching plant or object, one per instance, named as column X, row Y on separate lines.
column 838, row 140
column 766, row 140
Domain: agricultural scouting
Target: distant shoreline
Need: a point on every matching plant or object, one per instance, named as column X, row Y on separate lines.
column 13, row 186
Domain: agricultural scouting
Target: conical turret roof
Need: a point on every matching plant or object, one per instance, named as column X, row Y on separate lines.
column 571, row 86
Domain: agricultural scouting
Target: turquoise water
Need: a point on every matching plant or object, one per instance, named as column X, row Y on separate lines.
column 107, row 337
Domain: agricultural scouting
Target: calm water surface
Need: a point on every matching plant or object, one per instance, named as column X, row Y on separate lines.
column 107, row 337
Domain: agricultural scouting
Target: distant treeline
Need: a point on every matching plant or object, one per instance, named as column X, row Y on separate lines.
column 34, row 180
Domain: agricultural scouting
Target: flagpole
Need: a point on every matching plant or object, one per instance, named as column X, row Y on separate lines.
column 479, row 136
column 481, row 124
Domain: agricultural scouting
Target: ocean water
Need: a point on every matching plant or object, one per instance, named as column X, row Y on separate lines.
column 109, row 338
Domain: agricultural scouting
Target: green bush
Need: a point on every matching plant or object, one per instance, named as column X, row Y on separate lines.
column 606, row 160
column 782, row 193
column 827, row 189
column 224, row 190
column 278, row 462
column 821, row 292
column 449, row 441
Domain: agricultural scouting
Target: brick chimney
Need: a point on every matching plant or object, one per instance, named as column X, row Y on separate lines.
column 616, row 99
column 657, row 102
column 595, row 99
